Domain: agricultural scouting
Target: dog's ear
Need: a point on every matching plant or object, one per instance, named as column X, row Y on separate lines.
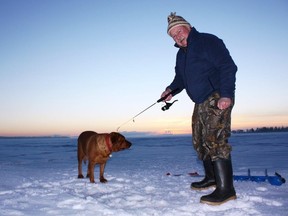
column 114, row 137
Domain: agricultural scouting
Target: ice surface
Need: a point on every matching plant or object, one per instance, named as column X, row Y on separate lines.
column 39, row 177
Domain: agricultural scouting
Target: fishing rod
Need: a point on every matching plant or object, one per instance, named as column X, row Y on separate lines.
column 164, row 108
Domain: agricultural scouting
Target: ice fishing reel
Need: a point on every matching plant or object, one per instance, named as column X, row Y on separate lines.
column 168, row 105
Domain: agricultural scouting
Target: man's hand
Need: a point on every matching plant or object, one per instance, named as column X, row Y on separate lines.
column 166, row 92
column 224, row 103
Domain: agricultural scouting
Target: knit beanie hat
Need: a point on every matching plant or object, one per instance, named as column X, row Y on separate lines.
column 174, row 21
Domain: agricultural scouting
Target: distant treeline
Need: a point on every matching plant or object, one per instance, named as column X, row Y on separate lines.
column 262, row 130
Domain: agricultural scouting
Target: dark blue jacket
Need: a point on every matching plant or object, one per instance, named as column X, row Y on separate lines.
column 203, row 67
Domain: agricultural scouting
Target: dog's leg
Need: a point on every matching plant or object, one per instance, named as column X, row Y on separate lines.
column 85, row 160
column 91, row 166
column 88, row 175
column 80, row 156
column 102, row 167
column 88, row 172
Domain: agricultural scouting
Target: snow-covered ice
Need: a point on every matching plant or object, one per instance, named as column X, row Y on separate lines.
column 39, row 177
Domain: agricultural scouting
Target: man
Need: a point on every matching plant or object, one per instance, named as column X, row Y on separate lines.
column 205, row 69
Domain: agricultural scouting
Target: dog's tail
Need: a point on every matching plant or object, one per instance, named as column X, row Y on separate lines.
column 85, row 160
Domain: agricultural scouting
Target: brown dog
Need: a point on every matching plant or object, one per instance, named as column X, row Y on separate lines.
column 96, row 148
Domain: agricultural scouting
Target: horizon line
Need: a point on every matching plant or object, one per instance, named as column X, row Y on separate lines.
column 134, row 133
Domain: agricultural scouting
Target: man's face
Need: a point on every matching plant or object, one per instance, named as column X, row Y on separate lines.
column 180, row 35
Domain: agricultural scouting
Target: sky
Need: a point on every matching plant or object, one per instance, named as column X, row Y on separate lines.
column 69, row 66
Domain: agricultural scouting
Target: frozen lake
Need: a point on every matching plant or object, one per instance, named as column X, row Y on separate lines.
column 39, row 177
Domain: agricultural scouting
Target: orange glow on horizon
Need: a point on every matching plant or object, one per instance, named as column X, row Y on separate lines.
column 156, row 126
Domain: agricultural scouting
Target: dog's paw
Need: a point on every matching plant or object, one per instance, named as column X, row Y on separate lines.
column 103, row 180
column 80, row 176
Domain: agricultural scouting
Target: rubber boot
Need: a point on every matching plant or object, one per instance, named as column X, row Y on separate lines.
column 209, row 179
column 224, row 184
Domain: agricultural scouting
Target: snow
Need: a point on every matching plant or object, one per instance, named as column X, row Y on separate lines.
column 39, row 177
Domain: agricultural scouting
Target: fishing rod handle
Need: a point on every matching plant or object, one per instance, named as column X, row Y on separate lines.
column 163, row 98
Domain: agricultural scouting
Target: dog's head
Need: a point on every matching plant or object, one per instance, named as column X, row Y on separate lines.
column 119, row 142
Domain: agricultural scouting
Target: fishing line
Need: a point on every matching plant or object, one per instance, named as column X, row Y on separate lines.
column 164, row 108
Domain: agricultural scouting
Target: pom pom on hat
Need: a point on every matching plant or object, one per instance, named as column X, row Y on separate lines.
column 174, row 20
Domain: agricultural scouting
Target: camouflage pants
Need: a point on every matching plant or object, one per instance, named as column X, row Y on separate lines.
column 211, row 128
